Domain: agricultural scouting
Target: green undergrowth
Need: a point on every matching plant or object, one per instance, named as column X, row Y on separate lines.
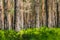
column 31, row 34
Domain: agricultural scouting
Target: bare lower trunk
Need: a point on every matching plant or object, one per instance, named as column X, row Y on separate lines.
column 10, row 13
column 2, row 16
column 19, row 15
column 8, row 16
column 58, row 8
column 0, row 13
column 28, row 14
column 52, row 20
column 5, row 14
column 43, row 13
column 37, row 10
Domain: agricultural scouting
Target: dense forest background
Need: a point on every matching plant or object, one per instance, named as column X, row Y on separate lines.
column 22, row 14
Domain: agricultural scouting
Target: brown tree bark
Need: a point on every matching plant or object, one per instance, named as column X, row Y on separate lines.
column 52, row 19
column 10, row 13
column 19, row 15
column 5, row 14
column 2, row 15
column 37, row 11
column 43, row 13
column 58, row 8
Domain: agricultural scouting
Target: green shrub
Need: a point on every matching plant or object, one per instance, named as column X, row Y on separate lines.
column 31, row 34
column 10, row 35
column 41, row 34
column 2, row 36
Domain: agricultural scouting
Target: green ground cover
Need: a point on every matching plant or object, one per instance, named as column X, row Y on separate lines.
column 31, row 34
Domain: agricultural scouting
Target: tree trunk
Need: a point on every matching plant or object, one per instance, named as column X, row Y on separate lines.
column 52, row 19
column 10, row 12
column 5, row 14
column 28, row 22
column 43, row 13
column 37, row 11
column 2, row 15
column 58, row 8
column 19, row 15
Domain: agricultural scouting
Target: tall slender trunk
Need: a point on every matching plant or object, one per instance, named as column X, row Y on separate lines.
column 43, row 13
column 58, row 6
column 5, row 14
column 54, row 9
column 28, row 14
column 2, row 15
column 37, row 10
column 19, row 15
column 52, row 13
column 10, row 12
column 8, row 16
